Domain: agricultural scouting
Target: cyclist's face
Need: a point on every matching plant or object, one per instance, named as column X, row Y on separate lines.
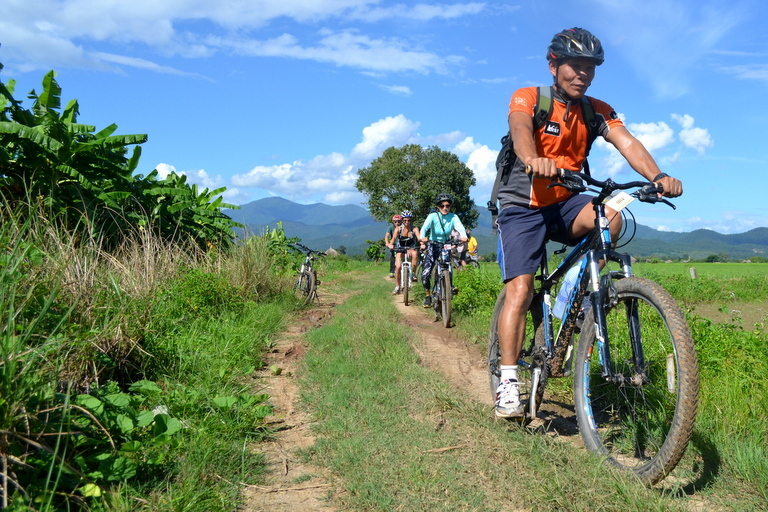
column 574, row 76
column 444, row 207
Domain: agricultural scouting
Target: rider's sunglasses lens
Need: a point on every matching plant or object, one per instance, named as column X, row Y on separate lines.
column 445, row 205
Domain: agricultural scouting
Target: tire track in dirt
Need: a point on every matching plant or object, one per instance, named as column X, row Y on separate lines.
column 292, row 485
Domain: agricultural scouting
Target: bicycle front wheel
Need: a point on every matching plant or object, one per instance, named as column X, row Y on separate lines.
column 405, row 283
column 447, row 297
column 641, row 418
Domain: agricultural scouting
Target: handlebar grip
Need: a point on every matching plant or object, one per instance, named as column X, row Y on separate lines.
column 560, row 172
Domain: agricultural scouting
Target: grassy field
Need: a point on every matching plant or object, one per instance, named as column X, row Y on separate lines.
column 715, row 270
column 127, row 385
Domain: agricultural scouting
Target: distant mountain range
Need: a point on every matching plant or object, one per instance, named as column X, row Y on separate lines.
column 320, row 226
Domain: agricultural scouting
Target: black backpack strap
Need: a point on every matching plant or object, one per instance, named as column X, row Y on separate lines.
column 506, row 159
column 591, row 120
column 543, row 108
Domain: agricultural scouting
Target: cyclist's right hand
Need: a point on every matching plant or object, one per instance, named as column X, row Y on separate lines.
column 543, row 168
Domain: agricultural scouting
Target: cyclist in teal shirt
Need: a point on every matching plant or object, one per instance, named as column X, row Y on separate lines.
column 438, row 225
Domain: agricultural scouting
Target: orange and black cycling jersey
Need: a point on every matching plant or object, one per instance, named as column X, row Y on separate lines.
column 562, row 138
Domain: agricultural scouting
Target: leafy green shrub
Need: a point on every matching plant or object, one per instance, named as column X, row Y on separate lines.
column 478, row 290
column 199, row 293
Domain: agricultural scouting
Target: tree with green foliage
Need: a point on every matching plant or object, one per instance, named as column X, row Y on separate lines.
column 78, row 173
column 410, row 177
column 375, row 250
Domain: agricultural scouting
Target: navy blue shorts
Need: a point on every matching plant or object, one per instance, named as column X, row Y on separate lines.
column 523, row 233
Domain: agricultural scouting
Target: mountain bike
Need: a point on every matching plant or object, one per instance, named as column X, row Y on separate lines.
column 636, row 377
column 406, row 272
column 442, row 287
column 306, row 282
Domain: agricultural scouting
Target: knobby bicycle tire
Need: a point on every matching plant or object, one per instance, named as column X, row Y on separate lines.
column 405, row 283
column 640, row 428
column 447, row 297
column 437, row 295
column 532, row 354
column 306, row 286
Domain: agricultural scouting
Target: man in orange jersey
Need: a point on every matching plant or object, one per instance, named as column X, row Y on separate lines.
column 529, row 210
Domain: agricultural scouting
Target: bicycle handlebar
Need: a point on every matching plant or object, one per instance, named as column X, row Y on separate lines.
column 452, row 241
column 649, row 192
column 308, row 250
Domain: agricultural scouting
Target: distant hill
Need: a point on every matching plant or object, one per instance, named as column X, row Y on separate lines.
column 321, row 226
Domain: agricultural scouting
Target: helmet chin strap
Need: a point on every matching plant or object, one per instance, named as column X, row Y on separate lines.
column 564, row 95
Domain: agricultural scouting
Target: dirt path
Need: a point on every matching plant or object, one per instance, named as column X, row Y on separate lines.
column 293, row 485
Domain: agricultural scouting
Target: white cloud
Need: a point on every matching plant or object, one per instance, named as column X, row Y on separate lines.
column 657, row 139
column 397, row 90
column 331, row 178
column 390, row 131
column 198, row 176
column 692, row 137
column 420, row 12
column 654, row 136
column 50, row 33
column 346, row 48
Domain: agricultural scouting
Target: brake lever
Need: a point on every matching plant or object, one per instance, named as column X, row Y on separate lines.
column 651, row 193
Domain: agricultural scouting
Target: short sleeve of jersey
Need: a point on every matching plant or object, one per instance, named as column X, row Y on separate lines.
column 523, row 100
column 607, row 117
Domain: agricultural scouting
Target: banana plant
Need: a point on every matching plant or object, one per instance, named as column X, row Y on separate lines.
column 77, row 171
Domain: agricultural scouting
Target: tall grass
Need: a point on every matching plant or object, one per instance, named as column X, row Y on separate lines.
column 124, row 373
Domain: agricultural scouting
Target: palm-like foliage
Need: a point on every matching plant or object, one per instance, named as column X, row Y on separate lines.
column 76, row 171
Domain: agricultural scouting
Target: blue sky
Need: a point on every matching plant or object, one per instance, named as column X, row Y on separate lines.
column 291, row 97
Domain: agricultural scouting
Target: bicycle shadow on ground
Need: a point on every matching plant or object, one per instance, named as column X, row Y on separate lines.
column 704, row 466
column 555, row 419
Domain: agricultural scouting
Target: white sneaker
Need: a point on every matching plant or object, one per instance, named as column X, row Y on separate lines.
column 508, row 403
column 396, row 290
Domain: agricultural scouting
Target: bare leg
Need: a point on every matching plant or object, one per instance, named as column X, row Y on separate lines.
column 519, row 292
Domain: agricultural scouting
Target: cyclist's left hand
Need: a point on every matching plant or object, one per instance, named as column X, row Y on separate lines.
column 672, row 186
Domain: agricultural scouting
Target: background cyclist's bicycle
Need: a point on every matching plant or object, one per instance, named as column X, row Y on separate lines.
column 442, row 287
column 306, row 282
column 636, row 375
column 406, row 273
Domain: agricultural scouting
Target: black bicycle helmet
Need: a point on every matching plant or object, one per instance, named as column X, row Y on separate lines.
column 575, row 43
column 443, row 197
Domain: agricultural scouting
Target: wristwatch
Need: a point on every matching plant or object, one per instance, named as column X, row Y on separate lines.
column 659, row 176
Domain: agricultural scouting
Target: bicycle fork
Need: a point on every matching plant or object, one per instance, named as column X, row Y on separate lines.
column 601, row 298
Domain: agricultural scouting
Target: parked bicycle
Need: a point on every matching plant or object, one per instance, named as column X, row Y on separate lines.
column 406, row 273
column 636, row 377
column 306, row 283
column 442, row 287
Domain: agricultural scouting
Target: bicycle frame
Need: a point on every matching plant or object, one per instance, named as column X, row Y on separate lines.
column 591, row 253
column 443, row 262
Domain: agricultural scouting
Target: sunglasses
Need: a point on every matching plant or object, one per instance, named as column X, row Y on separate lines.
column 444, row 205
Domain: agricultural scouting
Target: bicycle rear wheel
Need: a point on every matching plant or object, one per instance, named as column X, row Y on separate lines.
column 642, row 420
column 306, row 287
column 532, row 358
column 447, row 297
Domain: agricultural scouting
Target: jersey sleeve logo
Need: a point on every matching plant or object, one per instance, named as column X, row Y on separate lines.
column 552, row 128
